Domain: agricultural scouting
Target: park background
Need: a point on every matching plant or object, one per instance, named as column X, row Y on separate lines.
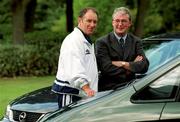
column 31, row 33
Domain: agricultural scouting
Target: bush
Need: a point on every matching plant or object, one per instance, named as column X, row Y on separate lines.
column 26, row 60
column 37, row 57
column 9, row 60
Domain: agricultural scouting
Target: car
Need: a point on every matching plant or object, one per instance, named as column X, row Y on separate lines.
column 155, row 97
column 33, row 106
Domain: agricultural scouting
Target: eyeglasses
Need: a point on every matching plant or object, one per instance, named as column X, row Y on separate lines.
column 123, row 21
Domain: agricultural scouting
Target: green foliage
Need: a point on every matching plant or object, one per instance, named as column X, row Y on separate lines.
column 36, row 57
column 39, row 54
column 5, row 21
column 43, row 37
column 6, row 31
column 151, row 25
column 105, row 9
column 5, row 11
column 48, row 12
column 60, row 25
column 9, row 60
column 166, row 16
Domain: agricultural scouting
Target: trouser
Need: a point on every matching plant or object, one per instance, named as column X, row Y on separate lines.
column 66, row 99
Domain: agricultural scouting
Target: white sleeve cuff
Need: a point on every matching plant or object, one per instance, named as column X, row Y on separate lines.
column 83, row 82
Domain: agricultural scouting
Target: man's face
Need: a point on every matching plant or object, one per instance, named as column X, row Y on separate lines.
column 121, row 23
column 88, row 22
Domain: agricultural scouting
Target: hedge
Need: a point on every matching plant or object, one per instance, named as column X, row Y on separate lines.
column 37, row 57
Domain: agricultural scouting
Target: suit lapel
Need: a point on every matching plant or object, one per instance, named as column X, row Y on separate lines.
column 115, row 45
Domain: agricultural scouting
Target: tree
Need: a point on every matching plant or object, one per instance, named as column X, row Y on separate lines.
column 29, row 16
column 22, row 18
column 142, row 7
column 69, row 15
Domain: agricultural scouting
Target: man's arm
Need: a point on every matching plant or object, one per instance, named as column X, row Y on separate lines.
column 125, row 64
column 142, row 65
column 104, row 60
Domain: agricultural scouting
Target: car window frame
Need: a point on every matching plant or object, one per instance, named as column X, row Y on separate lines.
column 174, row 99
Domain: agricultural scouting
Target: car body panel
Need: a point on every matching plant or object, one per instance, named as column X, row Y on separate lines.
column 117, row 105
column 171, row 111
column 38, row 100
column 121, row 106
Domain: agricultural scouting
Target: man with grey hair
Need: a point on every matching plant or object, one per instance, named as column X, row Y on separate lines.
column 119, row 53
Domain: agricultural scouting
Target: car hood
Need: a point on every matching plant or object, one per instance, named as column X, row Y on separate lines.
column 98, row 95
column 44, row 101
column 39, row 101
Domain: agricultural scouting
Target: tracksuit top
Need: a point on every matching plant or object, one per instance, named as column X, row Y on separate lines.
column 77, row 65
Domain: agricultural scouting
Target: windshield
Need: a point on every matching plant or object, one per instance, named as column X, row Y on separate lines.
column 160, row 52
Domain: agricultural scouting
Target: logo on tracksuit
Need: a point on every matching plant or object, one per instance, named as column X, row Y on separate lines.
column 87, row 51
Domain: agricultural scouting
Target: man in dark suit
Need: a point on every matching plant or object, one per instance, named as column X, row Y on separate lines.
column 119, row 54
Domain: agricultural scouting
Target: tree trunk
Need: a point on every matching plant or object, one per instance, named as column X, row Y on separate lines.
column 139, row 23
column 29, row 16
column 69, row 15
column 18, row 19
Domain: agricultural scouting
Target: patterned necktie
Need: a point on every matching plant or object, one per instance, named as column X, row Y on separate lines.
column 121, row 42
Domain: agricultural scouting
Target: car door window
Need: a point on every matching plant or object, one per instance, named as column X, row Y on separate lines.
column 165, row 87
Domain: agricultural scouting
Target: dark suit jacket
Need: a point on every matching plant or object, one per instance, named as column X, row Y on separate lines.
column 108, row 50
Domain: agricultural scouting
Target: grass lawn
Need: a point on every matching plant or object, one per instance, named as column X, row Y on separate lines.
column 10, row 88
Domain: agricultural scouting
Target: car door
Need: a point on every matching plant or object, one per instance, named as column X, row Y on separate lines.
column 172, row 109
column 165, row 90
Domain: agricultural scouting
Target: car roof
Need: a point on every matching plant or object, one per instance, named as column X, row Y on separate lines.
column 164, row 36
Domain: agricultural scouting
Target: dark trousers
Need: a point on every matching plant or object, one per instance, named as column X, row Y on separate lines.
column 66, row 99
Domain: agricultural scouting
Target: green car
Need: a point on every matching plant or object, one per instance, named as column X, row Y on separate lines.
column 155, row 97
column 140, row 100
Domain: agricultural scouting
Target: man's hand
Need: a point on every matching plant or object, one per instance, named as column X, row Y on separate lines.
column 138, row 58
column 88, row 90
column 122, row 64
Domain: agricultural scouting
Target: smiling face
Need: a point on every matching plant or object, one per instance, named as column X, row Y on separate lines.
column 121, row 23
column 88, row 22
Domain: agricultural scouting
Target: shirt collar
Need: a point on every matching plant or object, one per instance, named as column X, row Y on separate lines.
column 118, row 37
column 86, row 36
